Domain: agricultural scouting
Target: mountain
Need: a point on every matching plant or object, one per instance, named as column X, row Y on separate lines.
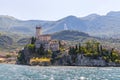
column 107, row 25
column 13, row 25
column 69, row 35
column 96, row 25
column 23, row 41
column 10, row 24
column 70, row 23
column 5, row 41
column 91, row 17
column 114, row 14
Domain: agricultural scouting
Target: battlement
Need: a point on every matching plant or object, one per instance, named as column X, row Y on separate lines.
column 45, row 40
column 38, row 27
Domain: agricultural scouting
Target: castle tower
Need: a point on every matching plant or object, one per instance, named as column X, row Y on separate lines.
column 38, row 31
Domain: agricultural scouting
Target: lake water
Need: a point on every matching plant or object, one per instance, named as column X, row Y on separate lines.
column 17, row 72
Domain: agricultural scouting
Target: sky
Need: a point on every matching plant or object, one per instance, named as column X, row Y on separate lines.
column 56, row 9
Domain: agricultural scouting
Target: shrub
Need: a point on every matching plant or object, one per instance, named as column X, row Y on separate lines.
column 31, row 47
column 8, row 55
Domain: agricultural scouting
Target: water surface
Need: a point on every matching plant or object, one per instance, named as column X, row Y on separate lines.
column 18, row 72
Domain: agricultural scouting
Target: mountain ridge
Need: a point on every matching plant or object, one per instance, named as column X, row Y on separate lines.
column 94, row 24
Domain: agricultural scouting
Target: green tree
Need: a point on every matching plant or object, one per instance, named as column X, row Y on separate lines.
column 60, row 45
column 88, row 45
column 21, row 58
column 41, row 50
column 31, row 47
column 101, row 50
column 48, row 53
column 79, row 48
column 33, row 39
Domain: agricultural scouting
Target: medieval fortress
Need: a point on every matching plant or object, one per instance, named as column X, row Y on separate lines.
column 45, row 40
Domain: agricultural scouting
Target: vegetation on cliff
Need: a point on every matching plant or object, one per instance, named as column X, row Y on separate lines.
column 90, row 49
column 34, row 54
column 95, row 50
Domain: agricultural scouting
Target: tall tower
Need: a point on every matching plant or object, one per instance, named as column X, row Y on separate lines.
column 38, row 31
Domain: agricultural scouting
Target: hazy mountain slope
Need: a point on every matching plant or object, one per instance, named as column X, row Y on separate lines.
column 107, row 25
column 10, row 24
column 90, row 17
column 69, row 35
column 69, row 23
column 5, row 41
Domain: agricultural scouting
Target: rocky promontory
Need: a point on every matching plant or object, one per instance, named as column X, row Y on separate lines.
column 91, row 53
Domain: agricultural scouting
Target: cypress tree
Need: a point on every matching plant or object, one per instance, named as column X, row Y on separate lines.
column 41, row 50
column 79, row 48
column 60, row 45
column 33, row 40
column 69, row 49
column 76, row 47
column 101, row 50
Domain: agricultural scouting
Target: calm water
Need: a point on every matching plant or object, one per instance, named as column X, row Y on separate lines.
column 17, row 72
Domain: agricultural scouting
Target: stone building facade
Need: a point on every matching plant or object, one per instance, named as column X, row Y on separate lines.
column 45, row 40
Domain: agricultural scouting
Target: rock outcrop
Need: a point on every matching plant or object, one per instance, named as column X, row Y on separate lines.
column 66, row 60
column 86, row 61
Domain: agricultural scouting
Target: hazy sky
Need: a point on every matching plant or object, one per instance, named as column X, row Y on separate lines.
column 56, row 9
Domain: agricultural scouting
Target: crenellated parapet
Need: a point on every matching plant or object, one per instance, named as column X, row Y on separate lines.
column 45, row 40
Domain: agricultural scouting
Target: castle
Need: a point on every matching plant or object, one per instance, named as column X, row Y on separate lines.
column 45, row 40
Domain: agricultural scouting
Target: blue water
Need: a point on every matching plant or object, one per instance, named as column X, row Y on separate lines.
column 17, row 72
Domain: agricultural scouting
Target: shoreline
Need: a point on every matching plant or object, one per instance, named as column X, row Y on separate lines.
column 10, row 61
column 63, row 66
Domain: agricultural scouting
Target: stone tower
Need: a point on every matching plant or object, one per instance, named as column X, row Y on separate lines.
column 38, row 31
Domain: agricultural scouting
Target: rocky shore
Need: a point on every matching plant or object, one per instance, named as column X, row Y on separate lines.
column 90, row 53
column 66, row 60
